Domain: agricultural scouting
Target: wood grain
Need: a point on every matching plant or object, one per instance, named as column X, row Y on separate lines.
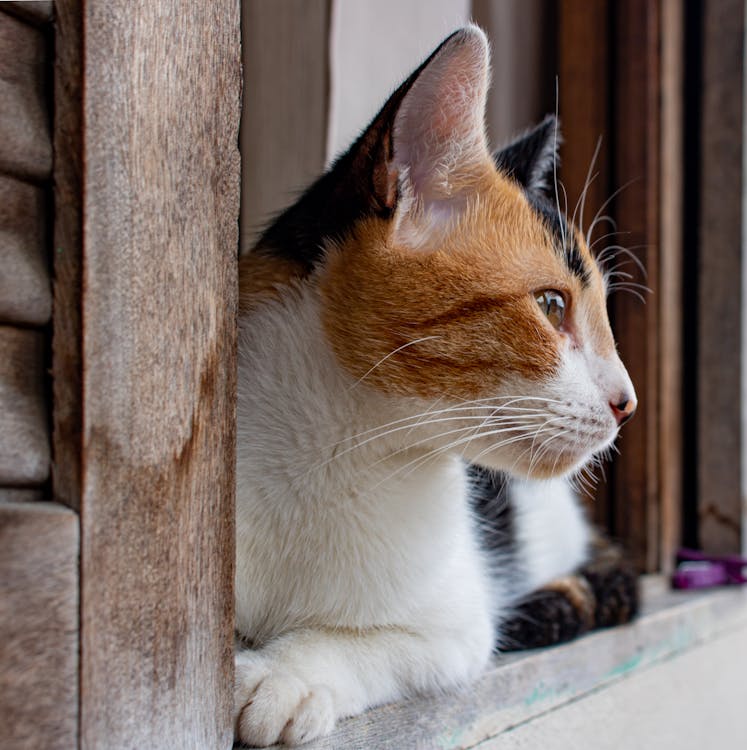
column 38, row 626
column 24, row 436
column 25, row 142
column 670, row 294
column 636, row 210
column 66, row 331
column 583, row 102
column 284, row 122
column 611, row 85
column 722, row 459
column 25, row 286
column 160, row 245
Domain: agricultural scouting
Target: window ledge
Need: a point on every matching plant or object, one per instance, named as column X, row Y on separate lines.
column 522, row 688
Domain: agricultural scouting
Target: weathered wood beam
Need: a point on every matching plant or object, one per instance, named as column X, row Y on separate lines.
column 160, row 244
column 38, row 626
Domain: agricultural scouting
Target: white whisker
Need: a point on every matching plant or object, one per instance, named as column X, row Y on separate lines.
column 587, row 184
column 391, row 354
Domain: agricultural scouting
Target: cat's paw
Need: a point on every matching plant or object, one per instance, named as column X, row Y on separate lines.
column 274, row 706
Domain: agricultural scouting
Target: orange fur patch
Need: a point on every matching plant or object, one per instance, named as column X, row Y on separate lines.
column 579, row 593
column 261, row 276
column 463, row 316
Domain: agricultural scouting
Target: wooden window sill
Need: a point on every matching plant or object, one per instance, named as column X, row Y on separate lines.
column 510, row 705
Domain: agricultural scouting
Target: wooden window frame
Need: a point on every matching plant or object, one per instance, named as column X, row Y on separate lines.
column 672, row 113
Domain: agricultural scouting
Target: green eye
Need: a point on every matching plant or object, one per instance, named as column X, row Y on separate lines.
column 552, row 304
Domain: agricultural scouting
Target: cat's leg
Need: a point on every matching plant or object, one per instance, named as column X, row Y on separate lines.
column 298, row 685
column 569, row 579
column 601, row 593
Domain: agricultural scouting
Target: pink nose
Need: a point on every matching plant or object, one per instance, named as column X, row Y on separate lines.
column 623, row 410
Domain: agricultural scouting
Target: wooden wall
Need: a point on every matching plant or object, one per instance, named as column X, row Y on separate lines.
column 621, row 87
column 38, row 538
column 116, row 603
column 721, row 282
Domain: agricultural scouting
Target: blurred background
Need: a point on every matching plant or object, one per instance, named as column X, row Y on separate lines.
column 656, row 89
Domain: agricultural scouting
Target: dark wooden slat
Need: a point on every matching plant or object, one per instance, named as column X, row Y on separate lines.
column 284, row 122
column 20, row 495
column 24, row 439
column 160, row 245
column 636, row 209
column 25, row 288
column 583, row 99
column 66, row 331
column 25, row 143
column 721, row 303
column 38, row 626
column 38, row 11
column 612, row 83
column 669, row 294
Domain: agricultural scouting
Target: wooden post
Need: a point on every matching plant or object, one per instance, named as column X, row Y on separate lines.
column 620, row 68
column 67, row 259
column 160, row 208
column 636, row 210
column 670, row 297
column 721, row 289
column 583, row 103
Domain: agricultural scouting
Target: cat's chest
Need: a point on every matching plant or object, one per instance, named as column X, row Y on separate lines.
column 378, row 557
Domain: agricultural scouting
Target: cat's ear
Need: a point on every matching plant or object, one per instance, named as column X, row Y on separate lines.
column 438, row 134
column 414, row 163
column 531, row 158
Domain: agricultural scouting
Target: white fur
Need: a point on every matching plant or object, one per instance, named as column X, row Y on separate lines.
column 357, row 581
column 551, row 531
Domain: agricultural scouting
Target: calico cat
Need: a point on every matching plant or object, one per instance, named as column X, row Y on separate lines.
column 424, row 356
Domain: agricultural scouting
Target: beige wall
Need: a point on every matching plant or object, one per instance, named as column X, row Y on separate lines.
column 373, row 47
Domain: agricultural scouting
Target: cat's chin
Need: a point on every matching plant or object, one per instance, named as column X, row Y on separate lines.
column 552, row 466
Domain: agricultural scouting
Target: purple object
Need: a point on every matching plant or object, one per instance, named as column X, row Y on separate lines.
column 697, row 570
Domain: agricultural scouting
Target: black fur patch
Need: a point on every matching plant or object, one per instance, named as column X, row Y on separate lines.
column 490, row 501
column 544, row 618
column 531, row 158
column 614, row 582
column 563, row 234
column 549, row 616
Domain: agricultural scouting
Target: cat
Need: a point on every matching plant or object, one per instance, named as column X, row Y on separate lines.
column 424, row 357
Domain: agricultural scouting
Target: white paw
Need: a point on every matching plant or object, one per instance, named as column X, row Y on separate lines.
column 276, row 706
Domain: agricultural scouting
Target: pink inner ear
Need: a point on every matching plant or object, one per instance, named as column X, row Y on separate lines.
column 439, row 134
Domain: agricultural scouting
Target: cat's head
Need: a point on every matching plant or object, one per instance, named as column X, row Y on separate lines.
column 449, row 278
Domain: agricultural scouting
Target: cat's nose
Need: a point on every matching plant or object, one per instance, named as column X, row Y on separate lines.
column 623, row 408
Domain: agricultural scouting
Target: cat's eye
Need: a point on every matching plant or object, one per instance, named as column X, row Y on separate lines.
column 552, row 304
